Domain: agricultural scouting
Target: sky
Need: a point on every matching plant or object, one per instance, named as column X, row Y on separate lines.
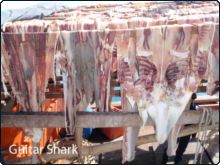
column 24, row 4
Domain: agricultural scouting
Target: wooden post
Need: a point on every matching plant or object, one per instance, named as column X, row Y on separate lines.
column 78, row 136
column 34, row 157
column 37, row 135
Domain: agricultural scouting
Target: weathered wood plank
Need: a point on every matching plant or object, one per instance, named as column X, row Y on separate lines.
column 33, row 119
column 54, row 95
column 199, row 100
column 206, row 99
column 59, row 78
column 79, row 140
column 116, row 145
column 115, row 83
column 53, row 86
column 116, row 93
column 213, row 106
column 201, row 89
column 88, row 119
column 114, row 75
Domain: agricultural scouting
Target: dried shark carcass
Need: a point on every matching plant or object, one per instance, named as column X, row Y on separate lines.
column 4, row 78
column 78, row 74
column 28, row 61
column 85, row 59
column 26, row 56
column 167, row 83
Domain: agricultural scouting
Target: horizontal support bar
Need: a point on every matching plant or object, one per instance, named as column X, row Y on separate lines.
column 59, row 78
column 55, row 87
column 116, row 145
column 206, row 99
column 115, row 83
column 201, row 89
column 54, row 95
column 33, row 119
column 88, row 119
column 116, row 93
column 214, row 106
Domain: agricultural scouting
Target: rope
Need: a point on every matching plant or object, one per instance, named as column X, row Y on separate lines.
column 204, row 134
column 197, row 144
column 207, row 118
column 214, row 129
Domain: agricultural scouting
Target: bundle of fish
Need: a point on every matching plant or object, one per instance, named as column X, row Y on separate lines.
column 164, row 50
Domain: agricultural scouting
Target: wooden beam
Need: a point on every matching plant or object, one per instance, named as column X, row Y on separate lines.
column 194, row 117
column 54, row 87
column 115, row 83
column 116, row 93
column 33, row 119
column 213, row 106
column 201, row 89
column 88, row 119
column 114, row 75
column 203, row 81
column 113, row 104
column 79, row 141
column 107, row 119
column 126, row 119
column 206, row 99
column 54, row 95
column 116, row 145
column 59, row 78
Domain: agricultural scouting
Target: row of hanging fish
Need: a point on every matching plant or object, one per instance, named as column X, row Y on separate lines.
column 164, row 50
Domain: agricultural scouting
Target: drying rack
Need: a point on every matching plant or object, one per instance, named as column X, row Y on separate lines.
column 97, row 120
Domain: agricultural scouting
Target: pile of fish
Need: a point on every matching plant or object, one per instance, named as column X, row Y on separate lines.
column 164, row 50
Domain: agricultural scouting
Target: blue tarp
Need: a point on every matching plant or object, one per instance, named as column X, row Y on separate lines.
column 45, row 8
